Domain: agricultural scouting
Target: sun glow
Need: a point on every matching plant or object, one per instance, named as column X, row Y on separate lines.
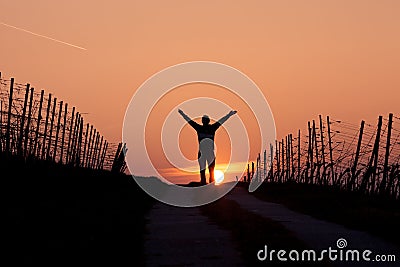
column 218, row 176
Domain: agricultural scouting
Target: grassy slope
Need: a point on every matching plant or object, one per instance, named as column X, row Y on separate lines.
column 55, row 214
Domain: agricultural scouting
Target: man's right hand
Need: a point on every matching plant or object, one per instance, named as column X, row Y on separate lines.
column 232, row 112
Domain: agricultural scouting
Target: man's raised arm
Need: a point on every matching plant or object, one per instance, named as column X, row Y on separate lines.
column 227, row 116
column 191, row 122
column 186, row 117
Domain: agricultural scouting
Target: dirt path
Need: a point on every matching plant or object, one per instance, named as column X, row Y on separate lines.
column 316, row 233
column 184, row 237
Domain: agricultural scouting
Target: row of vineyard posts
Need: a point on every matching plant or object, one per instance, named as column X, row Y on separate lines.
column 38, row 126
column 364, row 158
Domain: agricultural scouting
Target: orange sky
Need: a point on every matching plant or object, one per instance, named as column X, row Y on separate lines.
column 338, row 58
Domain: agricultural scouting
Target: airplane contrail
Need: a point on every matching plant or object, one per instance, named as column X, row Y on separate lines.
column 43, row 36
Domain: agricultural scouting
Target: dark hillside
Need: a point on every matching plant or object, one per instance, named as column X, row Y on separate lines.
column 56, row 214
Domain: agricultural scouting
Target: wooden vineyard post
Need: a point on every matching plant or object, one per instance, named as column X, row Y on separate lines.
column 330, row 150
column 57, row 130
column 259, row 170
column 271, row 147
column 104, row 154
column 289, row 158
column 96, row 146
column 89, row 146
column 298, row 157
column 292, row 156
column 72, row 147
column 21, row 130
column 252, row 170
column 68, row 155
column 1, row 124
column 51, row 128
column 287, row 152
column 93, row 156
column 257, row 167
column 45, row 126
column 74, row 139
column 283, row 160
column 321, row 126
column 28, row 123
column 84, row 146
column 310, row 154
column 278, row 165
column 382, row 187
column 1, row 117
column 39, row 118
column 265, row 164
column 1, row 121
column 96, row 150
column 318, row 177
column 378, row 136
column 114, row 167
column 352, row 183
column 371, row 169
column 91, row 149
column 8, row 129
column 63, row 132
column 98, row 154
column 248, row 172
column 119, row 163
column 79, row 154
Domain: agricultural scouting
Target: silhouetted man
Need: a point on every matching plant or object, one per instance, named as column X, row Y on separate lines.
column 205, row 136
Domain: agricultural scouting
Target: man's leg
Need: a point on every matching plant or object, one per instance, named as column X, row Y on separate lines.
column 211, row 170
column 202, row 164
column 211, row 164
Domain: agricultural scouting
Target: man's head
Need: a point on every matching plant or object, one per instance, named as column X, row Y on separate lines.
column 205, row 120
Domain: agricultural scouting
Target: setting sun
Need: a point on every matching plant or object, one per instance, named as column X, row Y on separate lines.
column 219, row 176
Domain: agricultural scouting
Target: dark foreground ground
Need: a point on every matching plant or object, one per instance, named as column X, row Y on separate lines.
column 56, row 215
